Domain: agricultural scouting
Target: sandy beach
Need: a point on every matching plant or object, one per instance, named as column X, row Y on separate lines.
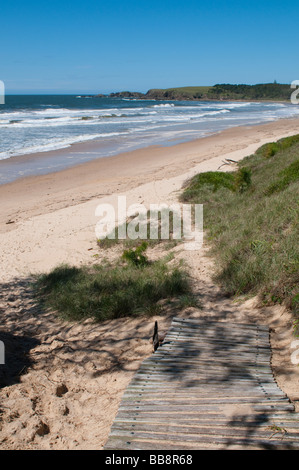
column 75, row 374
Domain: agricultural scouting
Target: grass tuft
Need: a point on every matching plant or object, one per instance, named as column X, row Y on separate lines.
column 289, row 175
column 108, row 291
column 213, row 181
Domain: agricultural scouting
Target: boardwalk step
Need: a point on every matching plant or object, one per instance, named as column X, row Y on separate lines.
column 209, row 385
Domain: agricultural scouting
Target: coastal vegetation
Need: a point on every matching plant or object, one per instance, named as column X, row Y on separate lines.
column 222, row 92
column 131, row 286
column 251, row 219
column 251, row 223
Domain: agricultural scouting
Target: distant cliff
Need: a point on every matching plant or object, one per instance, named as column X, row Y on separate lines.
column 127, row 94
column 221, row 92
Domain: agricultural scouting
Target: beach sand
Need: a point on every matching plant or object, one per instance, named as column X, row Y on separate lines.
column 73, row 375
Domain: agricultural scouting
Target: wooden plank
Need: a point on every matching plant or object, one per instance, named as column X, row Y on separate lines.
column 197, row 322
column 202, row 396
column 260, row 369
column 216, row 378
column 203, row 385
column 222, row 352
column 210, row 329
column 253, row 431
column 214, row 333
column 214, row 369
column 206, row 418
column 121, row 444
column 163, row 357
column 209, row 392
column 196, row 365
column 196, row 334
column 197, row 434
column 225, row 393
column 199, row 377
column 287, row 416
column 183, row 343
column 185, row 347
column 198, row 354
column 198, row 440
column 204, row 401
column 218, row 335
column 201, row 407
column 218, row 423
column 217, row 375
column 212, row 358
column 218, row 340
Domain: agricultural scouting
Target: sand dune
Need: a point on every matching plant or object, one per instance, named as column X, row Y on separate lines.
column 72, row 376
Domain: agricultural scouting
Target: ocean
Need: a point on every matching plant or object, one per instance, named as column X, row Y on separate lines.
column 31, row 124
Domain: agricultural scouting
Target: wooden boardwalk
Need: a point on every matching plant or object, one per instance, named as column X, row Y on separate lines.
column 208, row 386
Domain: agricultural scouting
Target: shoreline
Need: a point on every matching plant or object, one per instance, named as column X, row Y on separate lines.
column 104, row 176
column 45, row 161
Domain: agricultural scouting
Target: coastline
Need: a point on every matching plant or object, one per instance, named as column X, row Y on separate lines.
column 35, row 195
column 52, row 221
column 105, row 137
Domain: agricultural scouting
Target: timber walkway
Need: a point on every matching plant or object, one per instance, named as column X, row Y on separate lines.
column 208, row 386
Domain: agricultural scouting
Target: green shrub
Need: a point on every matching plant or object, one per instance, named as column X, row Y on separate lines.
column 109, row 291
column 213, row 181
column 268, row 150
column 210, row 181
column 137, row 256
column 242, row 179
column 272, row 148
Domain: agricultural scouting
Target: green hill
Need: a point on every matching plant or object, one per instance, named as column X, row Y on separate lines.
column 181, row 93
column 221, row 92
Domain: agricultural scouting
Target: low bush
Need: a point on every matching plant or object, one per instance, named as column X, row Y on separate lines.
column 109, row 291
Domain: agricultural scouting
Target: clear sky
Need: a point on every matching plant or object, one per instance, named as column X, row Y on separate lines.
column 99, row 46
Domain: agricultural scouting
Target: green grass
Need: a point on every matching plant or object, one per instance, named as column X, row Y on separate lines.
column 212, row 181
column 108, row 291
column 270, row 149
column 189, row 91
column 254, row 232
column 179, row 93
column 286, row 177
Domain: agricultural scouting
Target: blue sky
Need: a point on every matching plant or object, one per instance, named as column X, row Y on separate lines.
column 96, row 46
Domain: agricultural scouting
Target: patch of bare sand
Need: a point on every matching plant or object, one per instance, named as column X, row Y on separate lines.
column 71, row 375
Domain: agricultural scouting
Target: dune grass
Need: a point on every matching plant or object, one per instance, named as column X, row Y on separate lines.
column 254, row 232
column 107, row 291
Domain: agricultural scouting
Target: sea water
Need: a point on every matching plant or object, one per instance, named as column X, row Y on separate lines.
column 31, row 124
